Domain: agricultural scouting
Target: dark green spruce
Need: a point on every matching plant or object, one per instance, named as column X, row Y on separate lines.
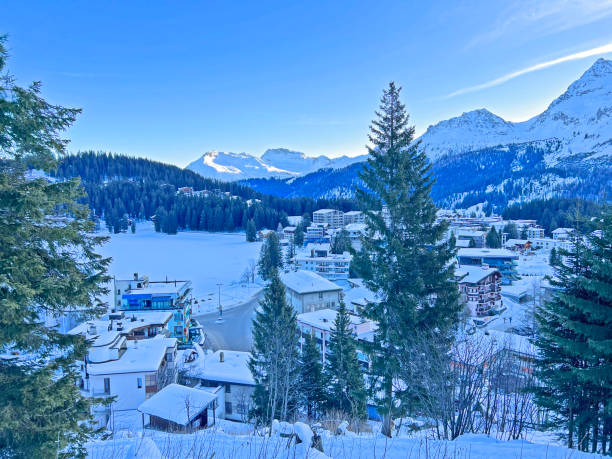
column 346, row 387
column 575, row 341
column 409, row 261
column 48, row 267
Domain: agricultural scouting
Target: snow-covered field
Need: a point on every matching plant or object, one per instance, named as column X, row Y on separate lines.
column 228, row 445
column 205, row 259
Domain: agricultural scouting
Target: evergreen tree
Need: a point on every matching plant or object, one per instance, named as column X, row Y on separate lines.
column 298, row 237
column 311, row 376
column 133, row 227
column 341, row 242
column 275, row 356
column 289, row 261
column 345, row 379
column 251, row 231
column 361, row 266
column 270, row 257
column 493, row 239
column 48, row 267
column 472, row 243
column 410, row 263
column 574, row 339
column 554, row 258
column 510, row 229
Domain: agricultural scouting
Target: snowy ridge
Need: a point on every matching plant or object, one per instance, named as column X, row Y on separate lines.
column 279, row 162
column 581, row 118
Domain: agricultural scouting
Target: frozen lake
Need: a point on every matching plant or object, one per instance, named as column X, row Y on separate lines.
column 203, row 258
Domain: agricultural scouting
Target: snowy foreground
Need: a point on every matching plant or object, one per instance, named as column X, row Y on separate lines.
column 218, row 444
column 205, row 259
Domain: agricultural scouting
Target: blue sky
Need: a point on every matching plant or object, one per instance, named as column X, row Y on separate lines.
column 171, row 80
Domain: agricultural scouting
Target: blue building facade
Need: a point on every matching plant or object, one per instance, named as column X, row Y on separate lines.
column 503, row 260
column 163, row 296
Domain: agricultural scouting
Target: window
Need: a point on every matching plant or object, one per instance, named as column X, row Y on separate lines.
column 228, row 388
column 228, row 407
column 242, row 408
column 107, row 385
column 320, row 295
column 139, row 382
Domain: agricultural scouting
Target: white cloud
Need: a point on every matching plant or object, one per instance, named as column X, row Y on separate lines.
column 526, row 20
column 497, row 81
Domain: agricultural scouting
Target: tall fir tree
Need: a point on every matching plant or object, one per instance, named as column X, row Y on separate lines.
column 575, row 342
column 298, row 237
column 251, row 231
column 493, row 239
column 48, row 267
column 270, row 257
column 345, row 380
column 275, row 356
column 311, row 377
column 411, row 265
column 341, row 242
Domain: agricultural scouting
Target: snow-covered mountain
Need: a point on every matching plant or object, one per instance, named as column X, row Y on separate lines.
column 278, row 162
column 565, row 151
column 581, row 118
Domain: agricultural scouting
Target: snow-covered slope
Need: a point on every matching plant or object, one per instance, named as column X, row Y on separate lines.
column 581, row 118
column 278, row 162
column 234, row 166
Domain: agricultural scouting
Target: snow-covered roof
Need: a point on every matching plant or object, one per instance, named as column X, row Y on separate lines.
column 325, row 211
column 353, row 212
column 234, row 369
column 563, row 230
column 513, row 242
column 98, row 330
column 307, row 282
column 359, row 296
column 355, row 227
column 177, row 403
column 469, row 233
column 141, row 356
column 485, row 253
column 324, row 319
column 473, row 274
column 462, row 243
column 161, row 288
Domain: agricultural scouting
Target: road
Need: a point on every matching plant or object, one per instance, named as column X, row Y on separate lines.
column 234, row 333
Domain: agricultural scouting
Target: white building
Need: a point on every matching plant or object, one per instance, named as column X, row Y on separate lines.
column 534, row 232
column 117, row 365
column 230, row 371
column 355, row 231
column 562, row 234
column 307, row 291
column 324, row 263
column 353, row 216
column 334, row 218
column 320, row 324
column 288, row 233
column 548, row 243
column 316, row 231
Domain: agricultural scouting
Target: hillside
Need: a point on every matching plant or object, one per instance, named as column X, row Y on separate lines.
column 121, row 188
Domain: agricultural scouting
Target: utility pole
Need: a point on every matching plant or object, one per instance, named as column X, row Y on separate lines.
column 219, row 301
